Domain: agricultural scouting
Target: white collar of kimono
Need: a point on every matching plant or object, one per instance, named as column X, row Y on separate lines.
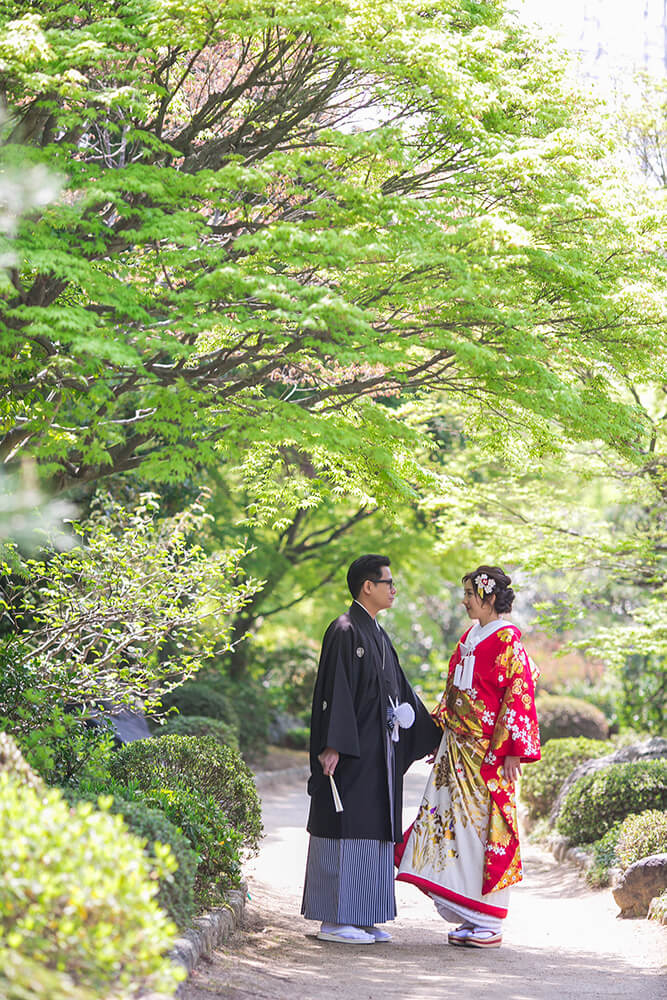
column 368, row 613
column 478, row 633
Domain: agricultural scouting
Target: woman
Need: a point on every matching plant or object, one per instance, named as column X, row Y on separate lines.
column 463, row 848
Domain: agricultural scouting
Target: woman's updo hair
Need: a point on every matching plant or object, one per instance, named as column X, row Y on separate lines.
column 484, row 589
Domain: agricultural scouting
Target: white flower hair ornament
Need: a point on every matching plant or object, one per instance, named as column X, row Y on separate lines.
column 485, row 584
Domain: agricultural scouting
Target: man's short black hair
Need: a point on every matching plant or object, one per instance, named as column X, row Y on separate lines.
column 365, row 568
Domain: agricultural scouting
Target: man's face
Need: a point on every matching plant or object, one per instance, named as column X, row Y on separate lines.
column 380, row 593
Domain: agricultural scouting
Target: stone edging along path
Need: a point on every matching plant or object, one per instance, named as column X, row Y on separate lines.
column 210, row 929
column 214, row 927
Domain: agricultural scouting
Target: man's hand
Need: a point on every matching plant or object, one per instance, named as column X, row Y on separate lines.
column 328, row 759
column 512, row 768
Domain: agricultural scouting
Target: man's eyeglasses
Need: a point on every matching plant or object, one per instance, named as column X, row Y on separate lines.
column 389, row 581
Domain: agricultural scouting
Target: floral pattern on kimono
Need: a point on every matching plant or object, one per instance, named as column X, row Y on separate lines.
column 499, row 710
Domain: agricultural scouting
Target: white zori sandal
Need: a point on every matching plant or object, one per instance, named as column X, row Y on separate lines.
column 344, row 934
column 475, row 937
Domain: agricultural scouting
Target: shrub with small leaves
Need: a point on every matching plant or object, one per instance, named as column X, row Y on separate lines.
column 176, row 894
column 217, row 843
column 197, row 698
column 604, row 858
column 201, row 725
column 561, row 717
column 541, row 782
column 90, row 911
column 200, row 766
column 640, row 835
column 597, row 801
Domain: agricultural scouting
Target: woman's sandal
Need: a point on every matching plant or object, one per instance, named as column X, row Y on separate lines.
column 459, row 935
column 482, row 937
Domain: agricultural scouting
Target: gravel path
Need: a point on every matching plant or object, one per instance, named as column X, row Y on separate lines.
column 562, row 941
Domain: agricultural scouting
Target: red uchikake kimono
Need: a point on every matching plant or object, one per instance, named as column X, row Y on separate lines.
column 463, row 848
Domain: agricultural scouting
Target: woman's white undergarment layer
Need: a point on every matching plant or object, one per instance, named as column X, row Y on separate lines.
column 457, row 913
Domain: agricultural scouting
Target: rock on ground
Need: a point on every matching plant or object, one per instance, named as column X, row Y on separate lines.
column 639, row 884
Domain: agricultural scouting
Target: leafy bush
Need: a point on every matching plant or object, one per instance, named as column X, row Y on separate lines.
column 67, row 747
column 197, row 698
column 298, row 739
column 201, row 766
column 23, row 978
column 541, row 782
column 596, row 801
column 176, row 894
column 82, row 899
column 252, row 704
column 58, row 742
column 201, row 725
column 641, row 835
column 604, row 858
column 561, row 717
column 217, row 843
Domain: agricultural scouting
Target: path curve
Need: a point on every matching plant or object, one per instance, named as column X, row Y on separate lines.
column 562, row 941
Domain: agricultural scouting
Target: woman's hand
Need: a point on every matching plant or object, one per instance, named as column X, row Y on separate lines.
column 511, row 768
column 328, row 759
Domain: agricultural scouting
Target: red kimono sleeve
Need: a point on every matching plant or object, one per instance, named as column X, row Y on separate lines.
column 516, row 732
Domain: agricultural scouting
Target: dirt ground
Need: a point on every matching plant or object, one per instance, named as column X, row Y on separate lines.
column 562, row 941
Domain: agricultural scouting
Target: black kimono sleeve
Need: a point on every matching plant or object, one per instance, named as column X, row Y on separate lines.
column 334, row 720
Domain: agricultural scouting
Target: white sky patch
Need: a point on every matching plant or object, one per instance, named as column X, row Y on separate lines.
column 611, row 36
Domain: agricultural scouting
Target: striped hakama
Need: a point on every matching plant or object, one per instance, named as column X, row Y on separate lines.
column 349, row 881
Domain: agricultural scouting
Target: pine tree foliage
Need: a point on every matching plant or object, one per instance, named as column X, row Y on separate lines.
column 277, row 217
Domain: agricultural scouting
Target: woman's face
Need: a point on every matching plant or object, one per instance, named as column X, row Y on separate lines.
column 471, row 601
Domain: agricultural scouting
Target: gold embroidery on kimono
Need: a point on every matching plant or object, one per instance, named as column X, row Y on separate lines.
column 467, row 793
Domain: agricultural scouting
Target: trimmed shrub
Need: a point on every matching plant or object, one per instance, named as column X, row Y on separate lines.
column 197, row 698
column 604, row 858
column 298, row 738
column 217, row 843
column 200, row 766
column 201, row 725
column 541, row 782
column 252, row 706
column 82, row 898
column 597, row 801
column 561, row 717
column 641, row 835
column 176, row 894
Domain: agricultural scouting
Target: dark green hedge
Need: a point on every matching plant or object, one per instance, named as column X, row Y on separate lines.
column 201, row 725
column 641, row 835
column 541, row 782
column 198, row 698
column 199, row 765
column 597, row 801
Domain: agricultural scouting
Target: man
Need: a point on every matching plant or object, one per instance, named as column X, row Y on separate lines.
column 367, row 727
